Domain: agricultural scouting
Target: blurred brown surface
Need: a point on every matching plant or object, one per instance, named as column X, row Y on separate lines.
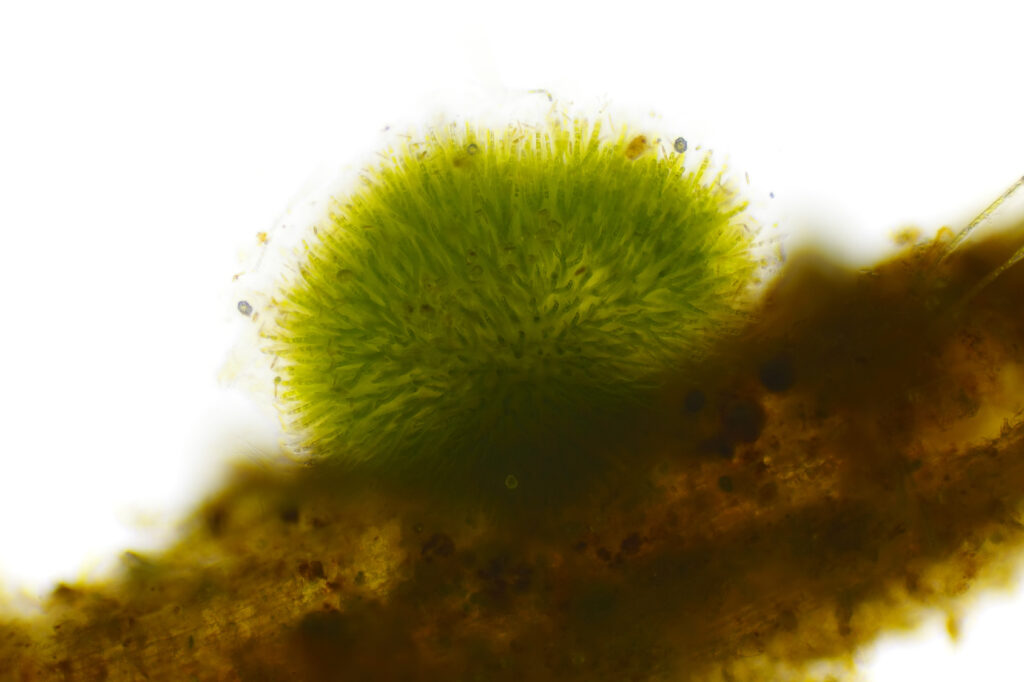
column 855, row 456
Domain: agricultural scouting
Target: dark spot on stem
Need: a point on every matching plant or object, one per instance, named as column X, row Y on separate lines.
column 777, row 374
column 290, row 514
column 743, row 421
column 312, row 570
column 439, row 545
column 694, row 401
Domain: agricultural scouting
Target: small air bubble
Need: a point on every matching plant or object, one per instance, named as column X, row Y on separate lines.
column 472, row 149
column 679, row 145
column 511, row 482
column 244, row 308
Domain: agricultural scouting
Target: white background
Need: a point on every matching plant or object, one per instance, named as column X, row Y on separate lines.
column 143, row 146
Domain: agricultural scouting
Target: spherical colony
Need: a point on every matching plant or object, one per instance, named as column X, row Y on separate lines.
column 482, row 285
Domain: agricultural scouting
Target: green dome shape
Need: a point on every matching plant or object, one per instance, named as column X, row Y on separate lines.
column 484, row 292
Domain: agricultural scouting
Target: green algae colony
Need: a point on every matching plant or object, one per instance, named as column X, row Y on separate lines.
column 810, row 471
column 481, row 288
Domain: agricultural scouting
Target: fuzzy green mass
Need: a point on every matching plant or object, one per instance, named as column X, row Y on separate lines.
column 483, row 285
